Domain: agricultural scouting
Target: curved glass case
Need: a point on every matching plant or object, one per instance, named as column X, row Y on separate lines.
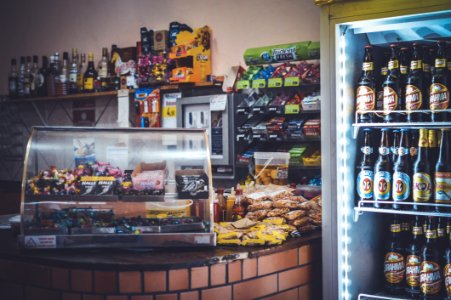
column 100, row 187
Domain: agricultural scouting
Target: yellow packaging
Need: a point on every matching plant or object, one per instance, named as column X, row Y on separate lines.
column 275, row 220
column 235, row 242
column 253, row 242
column 230, row 235
column 174, row 208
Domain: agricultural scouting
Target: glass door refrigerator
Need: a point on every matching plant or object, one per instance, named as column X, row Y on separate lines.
column 355, row 233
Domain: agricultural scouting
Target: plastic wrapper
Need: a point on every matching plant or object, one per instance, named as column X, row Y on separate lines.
column 275, row 220
column 234, row 242
column 287, row 204
column 230, row 235
column 301, row 222
column 278, row 212
column 253, row 242
column 294, row 214
column 260, row 205
column 257, row 215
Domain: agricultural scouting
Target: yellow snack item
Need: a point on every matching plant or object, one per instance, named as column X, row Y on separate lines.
column 253, row 242
column 224, row 224
column 275, row 242
column 234, row 242
column 287, row 227
column 280, row 235
column 230, row 235
column 275, row 220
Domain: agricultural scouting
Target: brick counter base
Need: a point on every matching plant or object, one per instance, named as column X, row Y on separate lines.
column 290, row 274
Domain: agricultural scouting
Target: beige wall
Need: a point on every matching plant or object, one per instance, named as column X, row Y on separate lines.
column 45, row 26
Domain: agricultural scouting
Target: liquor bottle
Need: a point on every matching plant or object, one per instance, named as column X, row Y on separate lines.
column 81, row 70
column 366, row 88
column 90, row 75
column 12, row 79
column 430, row 273
column 102, row 70
column 56, row 73
column 413, row 144
column 73, row 72
column 403, row 69
column 394, row 263
column 395, row 145
column 51, row 77
column 222, row 205
column 443, row 172
column 365, row 168
column 433, row 146
column 62, row 80
column 35, row 80
column 402, row 172
column 382, row 171
column 43, row 73
column 393, row 100
column 415, row 99
column 27, row 78
column 21, row 78
column 413, row 259
column 438, row 91
column 422, row 173
column 238, row 210
column 380, row 92
column 447, row 269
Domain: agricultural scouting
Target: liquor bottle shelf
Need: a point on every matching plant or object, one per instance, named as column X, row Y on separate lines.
column 381, row 296
column 407, row 209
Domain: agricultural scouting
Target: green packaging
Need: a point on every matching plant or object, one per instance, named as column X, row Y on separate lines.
column 281, row 53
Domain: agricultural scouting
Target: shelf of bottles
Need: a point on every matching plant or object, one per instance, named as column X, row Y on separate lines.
column 381, row 296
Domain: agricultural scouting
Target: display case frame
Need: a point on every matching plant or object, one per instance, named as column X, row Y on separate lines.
column 127, row 229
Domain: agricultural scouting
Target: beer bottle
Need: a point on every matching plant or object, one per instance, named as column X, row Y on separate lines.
column 441, row 235
column 430, row 273
column 415, row 88
column 448, row 226
column 392, row 89
column 382, row 171
column 405, row 229
column 433, row 146
column 380, row 93
column 394, row 263
column 365, row 174
column 443, row 172
column 422, row 170
column 438, row 91
column 395, row 145
column 402, row 172
column 90, row 75
column 413, row 259
column 427, row 74
column 366, row 88
column 403, row 69
column 447, row 269
column 413, row 144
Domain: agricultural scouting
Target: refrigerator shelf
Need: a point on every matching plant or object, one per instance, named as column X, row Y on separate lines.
column 382, row 296
column 367, row 206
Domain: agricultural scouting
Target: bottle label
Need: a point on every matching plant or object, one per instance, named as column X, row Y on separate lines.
column 367, row 66
column 447, row 277
column 441, row 232
column 390, row 99
column 384, row 151
column 393, row 64
column 426, row 68
column 422, row 187
column 416, row 64
column 88, row 84
column 440, row 63
column 73, row 77
column 367, row 150
column 438, row 97
column 365, row 184
column 403, row 151
column 430, row 278
column 103, row 72
column 12, row 86
column 382, row 185
column 405, row 226
column 431, row 234
column 395, row 228
column 403, row 70
column 366, row 98
column 401, row 186
column 414, row 98
column 413, row 264
column 417, row 230
column 443, row 187
column 384, row 71
column 394, row 267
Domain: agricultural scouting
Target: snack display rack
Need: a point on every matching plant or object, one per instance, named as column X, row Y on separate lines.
column 102, row 187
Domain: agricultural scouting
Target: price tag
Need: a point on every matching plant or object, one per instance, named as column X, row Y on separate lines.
column 241, row 111
column 239, row 137
column 256, row 136
column 218, row 102
column 273, row 136
column 242, row 84
column 273, row 108
column 292, row 81
column 258, row 83
column 274, row 82
column 292, row 109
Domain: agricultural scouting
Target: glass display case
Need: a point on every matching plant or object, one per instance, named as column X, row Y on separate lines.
column 102, row 187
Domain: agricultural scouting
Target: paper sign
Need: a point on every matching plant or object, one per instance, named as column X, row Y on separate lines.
column 117, row 156
column 40, row 241
column 218, row 103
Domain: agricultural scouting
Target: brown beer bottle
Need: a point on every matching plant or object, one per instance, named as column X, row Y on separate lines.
column 393, row 100
column 364, row 170
column 438, row 91
column 403, row 70
column 433, row 146
column 366, row 88
column 442, row 174
column 402, row 177
column 414, row 87
column 447, row 269
column 430, row 272
column 380, row 87
column 394, row 264
column 382, row 171
column 422, row 171
column 395, row 145
column 413, row 259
